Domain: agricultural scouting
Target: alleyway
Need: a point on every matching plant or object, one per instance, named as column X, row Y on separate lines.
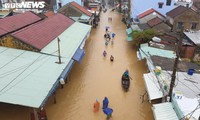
column 97, row 77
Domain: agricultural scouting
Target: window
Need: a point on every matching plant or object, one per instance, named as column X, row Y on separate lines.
column 179, row 25
column 168, row 3
column 194, row 25
column 160, row 4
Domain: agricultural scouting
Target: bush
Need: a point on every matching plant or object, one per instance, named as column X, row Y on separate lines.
column 143, row 36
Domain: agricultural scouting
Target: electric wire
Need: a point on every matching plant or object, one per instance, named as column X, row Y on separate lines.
column 20, row 67
column 36, row 60
column 25, row 76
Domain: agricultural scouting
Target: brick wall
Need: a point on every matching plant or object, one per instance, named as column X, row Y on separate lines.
column 187, row 18
column 11, row 42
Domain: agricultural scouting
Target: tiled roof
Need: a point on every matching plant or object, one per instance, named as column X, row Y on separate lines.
column 178, row 10
column 81, row 8
column 155, row 21
column 12, row 23
column 143, row 26
column 49, row 14
column 148, row 12
column 41, row 34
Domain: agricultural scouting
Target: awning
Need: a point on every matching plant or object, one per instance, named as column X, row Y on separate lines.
column 78, row 56
column 164, row 111
column 129, row 38
column 67, row 69
column 152, row 86
column 129, row 31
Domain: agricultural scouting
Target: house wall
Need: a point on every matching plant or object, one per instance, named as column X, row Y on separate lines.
column 187, row 51
column 187, row 18
column 197, row 54
column 140, row 6
column 149, row 17
column 11, row 42
column 170, row 20
column 162, row 27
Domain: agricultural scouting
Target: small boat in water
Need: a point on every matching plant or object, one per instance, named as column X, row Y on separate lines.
column 126, row 80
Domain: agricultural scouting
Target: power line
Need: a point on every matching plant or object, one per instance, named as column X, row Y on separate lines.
column 21, row 73
column 150, row 61
column 191, row 113
column 20, row 67
column 12, row 60
column 24, row 77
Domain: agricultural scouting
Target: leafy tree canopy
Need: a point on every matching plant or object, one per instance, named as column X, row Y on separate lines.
column 143, row 36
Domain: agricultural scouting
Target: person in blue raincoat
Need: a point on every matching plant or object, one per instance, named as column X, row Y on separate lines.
column 113, row 35
column 105, row 102
column 108, row 112
column 126, row 74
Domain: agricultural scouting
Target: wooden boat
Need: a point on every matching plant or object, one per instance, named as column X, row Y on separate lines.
column 125, row 81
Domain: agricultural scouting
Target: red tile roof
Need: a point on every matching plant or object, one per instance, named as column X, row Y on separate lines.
column 81, row 8
column 155, row 21
column 41, row 34
column 177, row 11
column 12, row 23
column 49, row 14
column 148, row 12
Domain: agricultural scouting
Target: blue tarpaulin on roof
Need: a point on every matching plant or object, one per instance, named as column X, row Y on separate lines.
column 78, row 56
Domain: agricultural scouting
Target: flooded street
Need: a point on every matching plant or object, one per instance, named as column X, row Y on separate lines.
column 97, row 77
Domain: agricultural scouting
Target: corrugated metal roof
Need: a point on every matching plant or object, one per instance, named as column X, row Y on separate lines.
column 145, row 50
column 41, row 34
column 155, row 21
column 81, row 8
column 2, row 32
column 152, row 86
column 28, row 77
column 18, row 21
column 73, row 37
column 164, row 111
column 177, row 11
column 194, row 36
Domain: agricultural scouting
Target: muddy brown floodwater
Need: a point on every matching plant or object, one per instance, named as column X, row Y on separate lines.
column 97, row 77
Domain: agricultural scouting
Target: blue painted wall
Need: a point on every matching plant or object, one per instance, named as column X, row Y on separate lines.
column 139, row 6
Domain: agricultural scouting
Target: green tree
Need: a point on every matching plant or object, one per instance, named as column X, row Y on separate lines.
column 143, row 36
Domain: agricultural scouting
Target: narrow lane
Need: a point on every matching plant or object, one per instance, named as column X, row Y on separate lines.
column 97, row 77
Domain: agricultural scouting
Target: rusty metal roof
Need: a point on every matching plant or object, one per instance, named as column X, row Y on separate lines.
column 155, row 21
column 2, row 32
column 81, row 8
column 42, row 33
column 177, row 11
column 12, row 23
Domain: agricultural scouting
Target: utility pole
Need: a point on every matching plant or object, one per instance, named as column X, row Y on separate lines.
column 178, row 49
column 59, row 58
column 120, row 5
column 129, row 9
